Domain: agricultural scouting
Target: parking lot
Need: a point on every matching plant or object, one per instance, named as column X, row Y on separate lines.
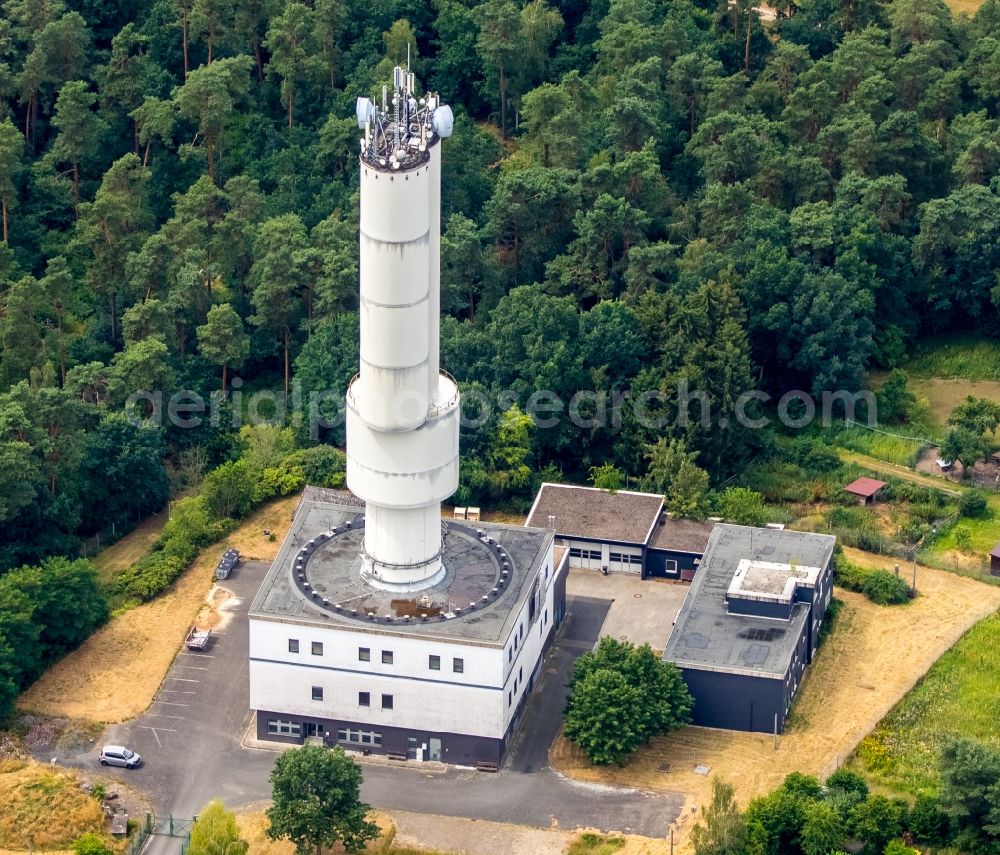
column 191, row 741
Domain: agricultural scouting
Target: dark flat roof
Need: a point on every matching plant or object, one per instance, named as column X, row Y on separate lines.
column 334, row 572
column 682, row 535
column 706, row 636
column 624, row 516
column 866, row 487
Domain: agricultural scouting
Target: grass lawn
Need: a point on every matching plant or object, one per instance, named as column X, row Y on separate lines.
column 44, row 809
column 960, row 695
column 898, row 449
column 966, row 357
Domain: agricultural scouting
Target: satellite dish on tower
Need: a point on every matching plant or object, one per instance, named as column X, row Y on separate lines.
column 444, row 121
column 365, row 111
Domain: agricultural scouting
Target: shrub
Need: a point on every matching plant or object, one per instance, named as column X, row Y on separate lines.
column 879, row 586
column 972, row 504
column 885, row 588
column 91, row 844
column 928, row 822
column 848, row 782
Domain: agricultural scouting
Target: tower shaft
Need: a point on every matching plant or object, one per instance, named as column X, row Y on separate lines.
column 402, row 412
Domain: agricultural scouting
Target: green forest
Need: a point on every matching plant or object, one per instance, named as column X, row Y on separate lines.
column 639, row 195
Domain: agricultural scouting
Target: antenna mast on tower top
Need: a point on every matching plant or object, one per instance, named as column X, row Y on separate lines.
column 397, row 135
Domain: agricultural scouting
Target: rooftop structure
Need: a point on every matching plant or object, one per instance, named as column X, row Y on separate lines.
column 623, row 516
column 621, row 532
column 316, row 578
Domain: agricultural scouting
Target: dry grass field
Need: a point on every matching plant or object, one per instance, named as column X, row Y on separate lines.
column 135, row 545
column 43, row 809
column 114, row 675
column 253, row 827
column 875, row 655
column 426, row 834
column 967, row 7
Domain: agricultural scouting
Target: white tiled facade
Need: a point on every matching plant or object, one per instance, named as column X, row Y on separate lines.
column 480, row 700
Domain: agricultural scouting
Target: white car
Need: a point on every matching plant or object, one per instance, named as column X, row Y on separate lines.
column 118, row 755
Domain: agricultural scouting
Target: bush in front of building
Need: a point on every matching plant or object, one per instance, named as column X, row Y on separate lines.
column 620, row 697
column 880, row 586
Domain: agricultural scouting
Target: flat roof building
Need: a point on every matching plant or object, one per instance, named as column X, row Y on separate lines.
column 750, row 624
column 437, row 674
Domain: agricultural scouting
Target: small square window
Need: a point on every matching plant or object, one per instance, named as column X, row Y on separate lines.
column 387, row 702
column 386, row 657
column 342, row 735
column 364, row 699
column 317, row 648
column 458, row 665
column 293, row 645
column 434, row 663
column 317, row 693
column 364, row 654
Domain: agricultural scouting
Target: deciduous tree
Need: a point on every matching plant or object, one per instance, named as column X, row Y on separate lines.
column 316, row 793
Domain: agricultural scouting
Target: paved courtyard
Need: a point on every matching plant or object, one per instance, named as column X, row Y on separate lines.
column 640, row 612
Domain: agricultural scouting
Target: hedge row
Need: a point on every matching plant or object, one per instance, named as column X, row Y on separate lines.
column 879, row 586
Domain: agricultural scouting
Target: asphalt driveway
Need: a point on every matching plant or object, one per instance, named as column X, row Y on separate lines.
column 190, row 739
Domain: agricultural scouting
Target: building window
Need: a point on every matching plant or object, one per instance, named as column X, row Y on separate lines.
column 317, row 648
column 670, row 566
column 364, row 699
column 364, row 737
column 520, row 674
column 284, row 728
column 386, row 657
column 510, row 655
column 434, row 663
column 510, row 697
column 293, row 645
column 387, row 702
column 458, row 665
column 545, row 622
column 364, row 654
column 317, row 693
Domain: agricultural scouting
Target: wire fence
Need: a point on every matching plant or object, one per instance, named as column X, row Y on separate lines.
column 138, row 840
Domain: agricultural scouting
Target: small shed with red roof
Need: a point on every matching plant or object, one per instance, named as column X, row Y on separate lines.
column 866, row 489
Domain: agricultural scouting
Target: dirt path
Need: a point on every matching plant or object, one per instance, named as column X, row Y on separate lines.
column 894, row 469
column 114, row 675
column 874, row 656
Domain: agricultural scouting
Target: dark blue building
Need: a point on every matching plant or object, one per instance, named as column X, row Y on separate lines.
column 750, row 624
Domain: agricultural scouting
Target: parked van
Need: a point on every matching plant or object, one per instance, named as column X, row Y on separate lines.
column 118, row 755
